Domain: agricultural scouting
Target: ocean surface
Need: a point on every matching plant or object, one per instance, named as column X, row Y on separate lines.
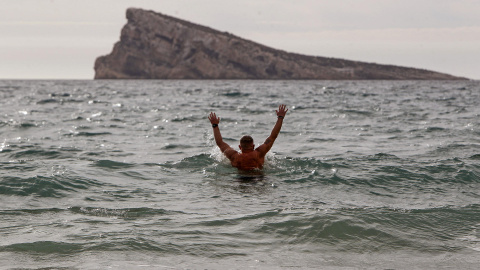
column 126, row 175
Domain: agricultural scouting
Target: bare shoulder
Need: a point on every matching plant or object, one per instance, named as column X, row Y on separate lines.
column 262, row 149
column 230, row 153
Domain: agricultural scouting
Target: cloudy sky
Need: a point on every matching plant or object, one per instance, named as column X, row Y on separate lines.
column 60, row 39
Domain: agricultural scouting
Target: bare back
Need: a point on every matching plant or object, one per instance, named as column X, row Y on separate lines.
column 248, row 161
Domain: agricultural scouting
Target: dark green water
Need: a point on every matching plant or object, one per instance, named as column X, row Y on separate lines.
column 125, row 175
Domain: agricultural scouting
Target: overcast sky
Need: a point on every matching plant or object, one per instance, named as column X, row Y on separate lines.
column 60, row 39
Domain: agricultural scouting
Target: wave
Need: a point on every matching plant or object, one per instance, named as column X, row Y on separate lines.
column 22, row 212
column 176, row 146
column 126, row 213
column 195, row 162
column 355, row 230
column 47, row 101
column 39, row 154
column 457, row 150
column 91, row 134
column 364, row 229
column 375, row 229
column 56, row 186
column 44, row 247
column 234, row 93
column 110, row 164
column 379, row 170
column 35, row 152
column 73, row 248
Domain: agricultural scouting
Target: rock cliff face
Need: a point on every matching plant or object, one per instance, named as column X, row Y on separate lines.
column 156, row 46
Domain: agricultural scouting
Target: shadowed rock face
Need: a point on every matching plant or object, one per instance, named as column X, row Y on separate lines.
column 156, row 46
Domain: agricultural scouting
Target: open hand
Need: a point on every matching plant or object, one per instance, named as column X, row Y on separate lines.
column 282, row 110
column 213, row 118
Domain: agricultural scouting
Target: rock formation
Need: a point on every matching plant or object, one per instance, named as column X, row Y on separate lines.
column 156, row 46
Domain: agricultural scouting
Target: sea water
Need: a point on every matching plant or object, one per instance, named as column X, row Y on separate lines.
column 126, row 175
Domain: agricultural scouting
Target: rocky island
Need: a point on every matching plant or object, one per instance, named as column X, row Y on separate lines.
column 156, row 46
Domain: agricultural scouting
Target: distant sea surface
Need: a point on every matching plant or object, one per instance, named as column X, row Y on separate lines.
column 126, row 175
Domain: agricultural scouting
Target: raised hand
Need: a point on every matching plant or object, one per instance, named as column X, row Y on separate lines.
column 213, row 118
column 282, row 110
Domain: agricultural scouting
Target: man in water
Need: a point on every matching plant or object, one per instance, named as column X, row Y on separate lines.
column 250, row 157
